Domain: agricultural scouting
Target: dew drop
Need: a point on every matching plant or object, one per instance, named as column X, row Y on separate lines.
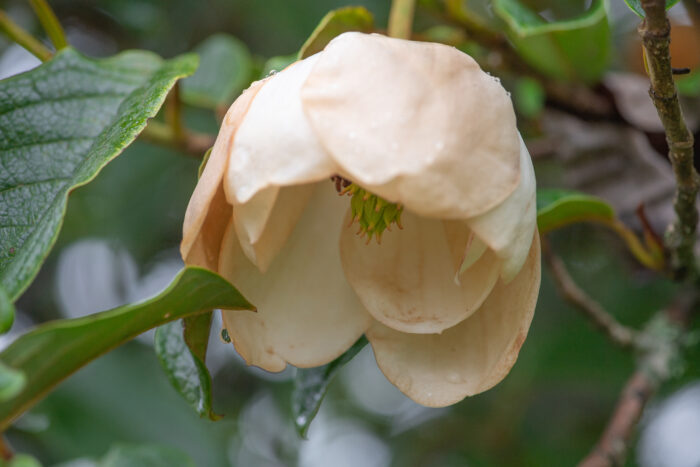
column 454, row 378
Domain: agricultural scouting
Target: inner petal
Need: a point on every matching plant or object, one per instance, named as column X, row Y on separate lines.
column 408, row 281
column 307, row 313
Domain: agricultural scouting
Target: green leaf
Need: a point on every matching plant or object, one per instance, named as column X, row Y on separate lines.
column 311, row 384
column 21, row 460
column 336, row 22
column 11, row 382
column 225, row 69
column 576, row 49
column 145, row 456
column 529, row 97
column 557, row 208
column 53, row 351
column 183, row 360
column 60, row 123
column 689, row 85
column 7, row 311
column 636, row 6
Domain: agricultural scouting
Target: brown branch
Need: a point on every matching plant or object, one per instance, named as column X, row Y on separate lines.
column 660, row 345
column 618, row 333
column 611, row 450
column 655, row 32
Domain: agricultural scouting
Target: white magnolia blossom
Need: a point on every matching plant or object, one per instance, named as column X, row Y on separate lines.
column 446, row 301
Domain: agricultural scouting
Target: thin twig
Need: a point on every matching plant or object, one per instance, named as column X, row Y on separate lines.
column 655, row 32
column 50, row 23
column 191, row 143
column 660, row 344
column 401, row 18
column 23, row 38
column 611, row 449
column 615, row 331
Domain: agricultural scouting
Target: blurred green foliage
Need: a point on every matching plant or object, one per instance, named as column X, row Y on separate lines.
column 548, row 411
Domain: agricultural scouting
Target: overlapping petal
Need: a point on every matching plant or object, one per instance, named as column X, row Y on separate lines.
column 208, row 212
column 275, row 145
column 307, row 313
column 441, row 369
column 507, row 228
column 413, row 122
column 408, row 282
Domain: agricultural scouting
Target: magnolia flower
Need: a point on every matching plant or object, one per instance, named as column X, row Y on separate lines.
column 423, row 148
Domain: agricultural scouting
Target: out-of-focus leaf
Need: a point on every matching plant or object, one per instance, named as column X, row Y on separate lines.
column 55, row 350
column 572, row 49
column 183, row 360
column 11, row 382
column 225, row 69
column 636, row 6
column 60, row 124
column 689, row 85
column 557, row 208
column 334, row 24
column 529, row 97
column 21, row 460
column 145, row 456
column 278, row 63
column 311, row 384
column 7, row 311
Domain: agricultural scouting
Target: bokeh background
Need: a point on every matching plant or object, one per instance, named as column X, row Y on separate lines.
column 119, row 244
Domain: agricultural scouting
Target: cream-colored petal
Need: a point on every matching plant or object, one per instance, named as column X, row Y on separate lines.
column 264, row 223
column 408, row 282
column 466, row 247
column 307, row 313
column 440, row 369
column 207, row 199
column 414, row 122
column 507, row 229
column 275, row 145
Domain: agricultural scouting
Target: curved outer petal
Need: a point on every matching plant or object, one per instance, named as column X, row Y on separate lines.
column 414, row 122
column 307, row 313
column 507, row 229
column 207, row 212
column 440, row 369
column 408, row 282
column 275, row 145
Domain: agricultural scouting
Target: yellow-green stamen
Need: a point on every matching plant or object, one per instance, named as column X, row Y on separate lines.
column 374, row 214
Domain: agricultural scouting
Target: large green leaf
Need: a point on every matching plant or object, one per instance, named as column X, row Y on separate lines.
column 7, row 311
column 311, row 384
column 571, row 49
column 225, row 69
column 636, row 6
column 181, row 348
column 557, row 208
column 59, row 125
column 55, row 350
column 334, row 24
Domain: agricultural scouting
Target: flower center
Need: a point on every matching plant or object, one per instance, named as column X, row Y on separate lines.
column 374, row 214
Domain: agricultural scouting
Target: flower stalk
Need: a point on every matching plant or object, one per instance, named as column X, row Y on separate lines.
column 50, row 23
column 21, row 37
column 401, row 18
